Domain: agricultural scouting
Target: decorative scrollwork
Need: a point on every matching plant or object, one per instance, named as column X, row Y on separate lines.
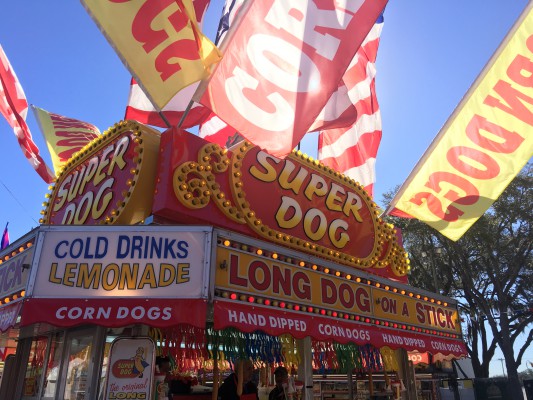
column 195, row 183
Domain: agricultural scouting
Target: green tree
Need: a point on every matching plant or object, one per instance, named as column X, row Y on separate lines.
column 489, row 270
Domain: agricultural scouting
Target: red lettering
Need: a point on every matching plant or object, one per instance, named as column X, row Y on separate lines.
column 281, row 280
column 450, row 214
column 141, row 27
column 457, row 156
column 346, row 295
column 234, row 277
column 362, row 299
column 167, row 62
column 513, row 99
column 329, row 292
column 511, row 140
column 254, row 267
column 303, row 291
column 420, row 316
column 470, row 192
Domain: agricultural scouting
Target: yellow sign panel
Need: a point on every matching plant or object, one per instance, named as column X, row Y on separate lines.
column 408, row 310
column 245, row 272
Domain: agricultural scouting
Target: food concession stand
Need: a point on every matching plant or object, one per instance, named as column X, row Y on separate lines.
column 212, row 255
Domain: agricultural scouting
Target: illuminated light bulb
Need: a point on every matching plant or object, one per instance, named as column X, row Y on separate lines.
column 314, row 267
column 259, row 252
column 337, row 273
column 348, row 277
column 418, row 296
column 267, row 302
column 410, row 294
column 274, row 256
column 378, row 284
column 387, row 287
column 326, row 270
column 302, row 264
column 334, row 314
column 251, row 299
column 297, row 307
column 282, row 304
column 357, row 317
column 233, row 296
column 310, row 309
column 445, row 304
column 358, row 280
column 7, row 300
column 323, row 312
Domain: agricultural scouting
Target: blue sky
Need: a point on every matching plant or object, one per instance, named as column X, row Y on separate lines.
column 430, row 54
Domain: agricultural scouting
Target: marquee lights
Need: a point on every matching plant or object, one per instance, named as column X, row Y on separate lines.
column 274, row 255
column 324, row 312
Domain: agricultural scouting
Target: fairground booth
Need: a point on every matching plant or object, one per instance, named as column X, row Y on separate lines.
column 167, row 245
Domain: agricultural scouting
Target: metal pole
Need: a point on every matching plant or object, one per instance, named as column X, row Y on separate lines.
column 503, row 370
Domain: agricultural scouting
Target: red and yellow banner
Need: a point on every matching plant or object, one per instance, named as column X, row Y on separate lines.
column 483, row 145
column 64, row 136
column 159, row 41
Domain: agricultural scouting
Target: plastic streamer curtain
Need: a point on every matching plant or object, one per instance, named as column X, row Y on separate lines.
column 329, row 356
column 231, row 345
column 390, row 363
column 190, row 349
column 185, row 345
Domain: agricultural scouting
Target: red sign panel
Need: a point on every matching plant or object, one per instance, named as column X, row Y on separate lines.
column 293, row 202
column 249, row 318
column 115, row 312
column 97, row 186
column 9, row 314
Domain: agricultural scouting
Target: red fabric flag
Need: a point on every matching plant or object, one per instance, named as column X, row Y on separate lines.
column 353, row 150
column 283, row 63
column 14, row 108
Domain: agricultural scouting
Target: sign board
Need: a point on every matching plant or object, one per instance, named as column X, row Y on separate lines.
column 276, row 321
column 14, row 273
column 277, row 280
column 130, row 369
column 309, row 207
column 115, row 275
column 109, row 181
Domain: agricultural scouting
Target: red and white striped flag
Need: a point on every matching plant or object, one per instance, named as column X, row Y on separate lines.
column 141, row 109
column 353, row 150
column 14, row 107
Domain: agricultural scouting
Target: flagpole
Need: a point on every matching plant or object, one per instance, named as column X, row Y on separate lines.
column 229, row 34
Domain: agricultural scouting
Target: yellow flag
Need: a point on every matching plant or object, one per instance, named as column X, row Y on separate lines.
column 64, row 136
column 159, row 41
column 483, row 145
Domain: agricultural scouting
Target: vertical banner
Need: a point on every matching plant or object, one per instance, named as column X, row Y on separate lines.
column 282, row 64
column 483, row 145
column 130, row 369
column 159, row 41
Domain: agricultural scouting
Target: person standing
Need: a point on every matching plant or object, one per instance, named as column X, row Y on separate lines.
column 281, row 376
column 239, row 385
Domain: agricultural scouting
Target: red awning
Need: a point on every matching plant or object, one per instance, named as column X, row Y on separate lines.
column 275, row 321
column 9, row 314
column 115, row 312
